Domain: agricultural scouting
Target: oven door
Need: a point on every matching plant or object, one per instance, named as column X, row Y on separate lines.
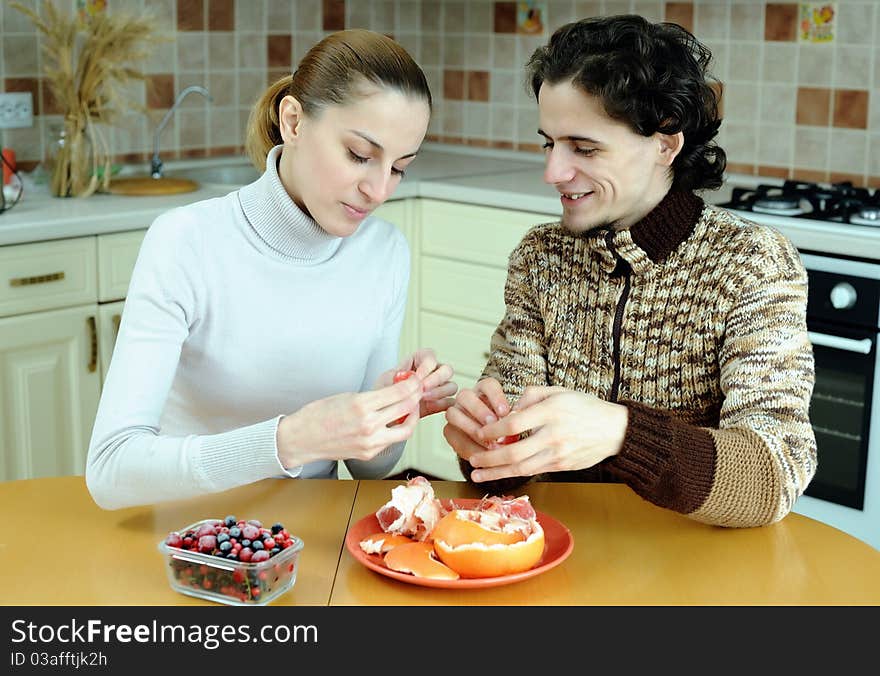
column 840, row 411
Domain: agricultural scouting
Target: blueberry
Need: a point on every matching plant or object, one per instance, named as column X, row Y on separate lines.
column 230, row 521
column 232, row 555
column 257, row 545
column 225, row 546
column 277, row 528
column 275, row 550
column 223, row 537
column 234, row 532
column 245, row 543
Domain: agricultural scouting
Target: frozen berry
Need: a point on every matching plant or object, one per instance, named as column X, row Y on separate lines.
column 207, row 543
column 234, row 532
column 174, row 540
column 250, row 532
column 230, row 521
column 277, row 528
column 261, row 555
column 225, row 546
column 223, row 537
column 257, row 545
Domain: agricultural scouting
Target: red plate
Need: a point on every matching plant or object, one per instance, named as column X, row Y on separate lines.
column 558, row 543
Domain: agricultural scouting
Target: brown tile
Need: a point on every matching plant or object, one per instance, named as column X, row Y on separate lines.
column 458, row 140
column 221, row 15
column 220, row 151
column 160, row 91
column 851, row 108
column 504, row 145
column 873, row 182
column 334, row 15
column 130, row 158
column 25, row 84
column 190, row 15
column 809, row 175
column 505, row 17
column 740, row 168
column 48, row 103
column 478, row 142
column 433, row 138
column 26, row 165
column 453, row 85
column 841, row 177
column 814, row 106
column 773, row 172
column 478, row 85
column 530, row 147
column 278, row 50
column 780, row 21
column 681, row 13
column 194, row 152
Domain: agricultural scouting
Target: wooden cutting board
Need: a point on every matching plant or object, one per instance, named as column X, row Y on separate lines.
column 145, row 185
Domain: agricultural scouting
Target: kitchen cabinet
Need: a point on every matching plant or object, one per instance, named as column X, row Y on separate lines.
column 56, row 338
column 460, row 255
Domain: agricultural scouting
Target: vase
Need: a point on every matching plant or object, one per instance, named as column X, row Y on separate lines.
column 70, row 161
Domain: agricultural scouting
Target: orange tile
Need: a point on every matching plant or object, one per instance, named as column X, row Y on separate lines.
column 780, row 21
column 25, row 84
column 48, row 103
column 773, row 172
column 190, row 15
column 278, row 51
column 160, row 91
column 530, row 147
column 873, row 182
column 681, row 13
column 840, row 177
column 433, row 138
column 740, row 168
column 814, row 106
column 809, row 175
column 221, row 15
column 478, row 85
column 458, row 140
column 194, row 152
column 334, row 15
column 478, row 142
column 130, row 158
column 505, row 17
column 219, row 151
column 505, row 145
column 851, row 108
column 453, row 85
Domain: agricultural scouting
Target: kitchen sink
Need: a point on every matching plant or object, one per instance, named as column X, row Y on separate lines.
column 228, row 174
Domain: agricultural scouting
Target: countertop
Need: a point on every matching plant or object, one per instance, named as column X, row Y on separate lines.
column 626, row 550
column 495, row 178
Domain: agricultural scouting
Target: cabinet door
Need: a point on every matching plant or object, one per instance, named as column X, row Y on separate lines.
column 117, row 254
column 109, row 316
column 49, row 390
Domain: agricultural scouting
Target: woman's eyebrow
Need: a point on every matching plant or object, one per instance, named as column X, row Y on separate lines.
column 571, row 137
column 376, row 144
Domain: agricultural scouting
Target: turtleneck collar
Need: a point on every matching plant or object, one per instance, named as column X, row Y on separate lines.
column 652, row 239
column 279, row 222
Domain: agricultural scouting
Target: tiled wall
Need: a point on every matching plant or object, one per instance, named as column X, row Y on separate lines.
column 810, row 111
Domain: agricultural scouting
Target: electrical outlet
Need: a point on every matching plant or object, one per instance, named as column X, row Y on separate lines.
column 16, row 110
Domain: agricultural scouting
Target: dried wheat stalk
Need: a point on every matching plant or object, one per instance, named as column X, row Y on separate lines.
column 88, row 63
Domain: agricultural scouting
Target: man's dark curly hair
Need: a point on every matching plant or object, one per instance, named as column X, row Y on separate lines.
column 652, row 77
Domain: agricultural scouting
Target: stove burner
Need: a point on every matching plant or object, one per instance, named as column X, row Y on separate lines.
column 782, row 205
column 867, row 216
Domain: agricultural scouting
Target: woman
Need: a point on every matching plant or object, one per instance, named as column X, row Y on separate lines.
column 261, row 329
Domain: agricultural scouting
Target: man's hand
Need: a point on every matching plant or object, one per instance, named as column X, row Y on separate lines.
column 569, row 430
column 438, row 389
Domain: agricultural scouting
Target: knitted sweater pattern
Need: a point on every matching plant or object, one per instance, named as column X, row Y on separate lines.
column 694, row 319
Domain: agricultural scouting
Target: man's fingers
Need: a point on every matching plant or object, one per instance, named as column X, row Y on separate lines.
column 491, row 392
column 475, row 406
column 534, row 394
column 458, row 417
column 463, row 445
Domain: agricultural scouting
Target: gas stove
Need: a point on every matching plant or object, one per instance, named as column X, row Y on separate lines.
column 837, row 202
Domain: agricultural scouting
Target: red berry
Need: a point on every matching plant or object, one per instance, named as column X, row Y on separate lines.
column 207, row 543
column 174, row 540
column 250, row 532
column 259, row 555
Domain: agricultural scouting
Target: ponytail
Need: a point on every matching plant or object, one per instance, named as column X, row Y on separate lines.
column 263, row 129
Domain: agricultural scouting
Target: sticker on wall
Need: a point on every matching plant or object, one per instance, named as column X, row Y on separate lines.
column 88, row 8
column 530, row 17
column 817, row 21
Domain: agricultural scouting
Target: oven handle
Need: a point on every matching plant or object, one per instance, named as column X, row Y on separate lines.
column 862, row 346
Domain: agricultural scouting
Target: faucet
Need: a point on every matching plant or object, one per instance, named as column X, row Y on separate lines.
column 155, row 162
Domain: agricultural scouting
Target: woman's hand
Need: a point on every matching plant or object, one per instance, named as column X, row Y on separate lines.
column 349, row 425
column 439, row 390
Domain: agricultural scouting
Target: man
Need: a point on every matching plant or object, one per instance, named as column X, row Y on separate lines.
column 649, row 338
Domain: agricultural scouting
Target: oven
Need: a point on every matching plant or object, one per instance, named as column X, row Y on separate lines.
column 843, row 314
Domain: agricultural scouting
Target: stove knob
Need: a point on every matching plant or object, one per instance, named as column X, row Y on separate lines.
column 843, row 296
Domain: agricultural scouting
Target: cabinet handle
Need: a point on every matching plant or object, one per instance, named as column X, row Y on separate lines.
column 93, row 333
column 37, row 279
column 116, row 319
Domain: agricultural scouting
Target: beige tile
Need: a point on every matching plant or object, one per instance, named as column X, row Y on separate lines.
column 251, row 50
column 778, row 103
column 409, row 15
column 744, row 61
column 359, row 16
column 130, row 134
column 526, row 46
column 711, row 21
column 15, row 21
column 479, row 17
column 279, row 16
column 476, row 120
column 224, row 127
column 527, row 125
column 453, row 50
column 503, row 85
column 384, row 16
column 587, row 8
column 775, row 145
column 502, row 123
column 250, row 15
column 222, row 88
column 221, row 51
column 20, row 55
column 718, row 66
column 250, row 87
column 27, row 142
column 432, row 50
column 163, row 12
column 613, row 7
column 811, row 145
column 874, row 112
column 478, row 52
column 815, row 64
column 307, row 15
column 741, row 102
column 453, row 17
column 560, row 12
column 855, row 22
column 412, row 43
column 848, row 151
column 740, row 142
column 780, row 62
column 504, row 51
column 652, row 10
column 453, row 117
column 874, row 156
column 431, row 18
column 191, row 50
column 746, row 20
column 192, row 131
column 851, row 64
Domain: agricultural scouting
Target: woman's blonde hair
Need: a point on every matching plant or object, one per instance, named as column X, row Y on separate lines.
column 329, row 74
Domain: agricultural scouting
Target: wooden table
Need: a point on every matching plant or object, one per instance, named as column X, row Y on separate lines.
column 65, row 550
column 59, row 548
column 630, row 552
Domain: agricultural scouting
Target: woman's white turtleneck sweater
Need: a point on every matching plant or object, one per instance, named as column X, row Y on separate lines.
column 241, row 309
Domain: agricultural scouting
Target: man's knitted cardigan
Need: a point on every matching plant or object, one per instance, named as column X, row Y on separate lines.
column 694, row 319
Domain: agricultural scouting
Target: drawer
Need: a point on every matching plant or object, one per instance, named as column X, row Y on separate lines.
column 47, row 275
column 462, row 289
column 117, row 254
column 483, row 235
column 463, row 344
